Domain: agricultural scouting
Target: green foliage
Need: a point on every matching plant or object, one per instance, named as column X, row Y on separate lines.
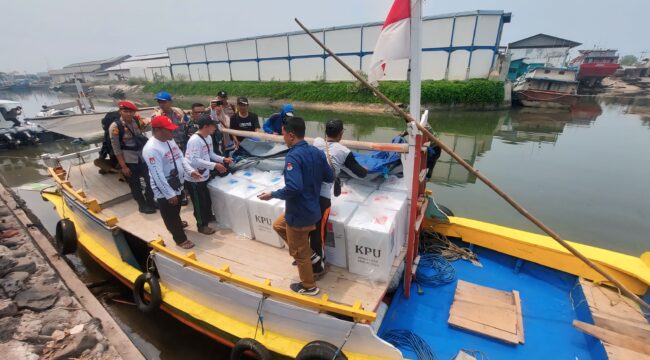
column 472, row 92
column 629, row 60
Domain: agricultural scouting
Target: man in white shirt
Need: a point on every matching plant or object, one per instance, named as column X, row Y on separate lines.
column 200, row 153
column 167, row 170
column 338, row 156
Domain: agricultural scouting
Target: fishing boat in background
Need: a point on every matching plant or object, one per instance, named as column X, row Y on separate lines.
column 547, row 87
column 595, row 65
column 444, row 286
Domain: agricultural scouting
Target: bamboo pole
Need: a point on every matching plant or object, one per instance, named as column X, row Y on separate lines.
column 550, row 232
column 359, row 145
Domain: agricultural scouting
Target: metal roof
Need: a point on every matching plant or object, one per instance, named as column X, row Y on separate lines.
column 98, row 62
column 542, row 41
column 142, row 61
column 506, row 19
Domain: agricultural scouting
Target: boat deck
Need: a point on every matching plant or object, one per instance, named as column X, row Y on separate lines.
column 246, row 257
column 548, row 311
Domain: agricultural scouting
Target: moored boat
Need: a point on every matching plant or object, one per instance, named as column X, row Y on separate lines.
column 595, row 65
column 547, row 87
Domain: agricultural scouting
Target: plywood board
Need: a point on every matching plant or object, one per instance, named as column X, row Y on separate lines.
column 614, row 338
column 619, row 353
column 488, row 311
column 106, row 188
column 605, row 301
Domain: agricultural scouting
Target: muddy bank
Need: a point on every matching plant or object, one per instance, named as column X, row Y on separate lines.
column 40, row 316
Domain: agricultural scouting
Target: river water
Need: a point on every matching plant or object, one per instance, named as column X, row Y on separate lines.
column 585, row 173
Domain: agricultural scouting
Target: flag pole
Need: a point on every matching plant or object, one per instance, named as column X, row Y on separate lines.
column 414, row 156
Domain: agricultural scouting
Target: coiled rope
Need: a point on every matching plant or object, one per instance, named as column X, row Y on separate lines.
column 432, row 242
column 406, row 339
column 434, row 270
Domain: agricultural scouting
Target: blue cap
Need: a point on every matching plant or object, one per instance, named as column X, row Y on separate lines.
column 163, row 96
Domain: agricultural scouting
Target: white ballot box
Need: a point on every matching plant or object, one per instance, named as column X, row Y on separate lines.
column 370, row 235
column 250, row 174
column 353, row 193
column 237, row 201
column 335, row 241
column 392, row 201
column 218, row 188
column 262, row 215
column 394, row 183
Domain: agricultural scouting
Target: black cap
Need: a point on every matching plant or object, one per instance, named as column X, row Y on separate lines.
column 242, row 100
column 222, row 94
column 333, row 127
column 206, row 120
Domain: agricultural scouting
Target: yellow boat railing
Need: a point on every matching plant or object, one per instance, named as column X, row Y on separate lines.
column 59, row 176
column 323, row 303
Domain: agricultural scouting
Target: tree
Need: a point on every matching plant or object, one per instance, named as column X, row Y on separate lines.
column 629, row 60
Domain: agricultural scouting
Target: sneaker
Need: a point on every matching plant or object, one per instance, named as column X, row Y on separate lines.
column 298, row 288
column 206, row 230
column 146, row 209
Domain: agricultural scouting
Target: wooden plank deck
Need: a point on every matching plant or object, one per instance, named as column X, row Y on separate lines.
column 250, row 258
column 107, row 189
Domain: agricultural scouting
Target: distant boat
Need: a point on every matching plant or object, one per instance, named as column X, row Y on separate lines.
column 547, row 87
column 595, row 65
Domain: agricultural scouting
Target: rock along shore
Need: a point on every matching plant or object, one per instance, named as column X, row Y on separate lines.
column 40, row 316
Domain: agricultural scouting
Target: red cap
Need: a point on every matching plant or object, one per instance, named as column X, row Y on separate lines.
column 126, row 104
column 164, row 122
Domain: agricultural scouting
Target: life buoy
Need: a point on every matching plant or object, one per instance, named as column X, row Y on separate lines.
column 155, row 298
column 65, row 237
column 320, row 350
column 445, row 210
column 252, row 345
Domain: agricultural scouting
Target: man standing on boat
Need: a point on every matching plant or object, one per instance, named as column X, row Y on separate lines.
column 200, row 154
column 176, row 115
column 167, row 170
column 127, row 140
column 338, row 156
column 226, row 143
column 304, row 171
column 243, row 119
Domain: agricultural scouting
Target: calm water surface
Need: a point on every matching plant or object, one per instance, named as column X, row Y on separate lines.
column 585, row 173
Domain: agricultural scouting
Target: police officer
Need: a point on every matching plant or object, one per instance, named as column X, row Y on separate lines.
column 167, row 170
column 305, row 169
column 127, row 140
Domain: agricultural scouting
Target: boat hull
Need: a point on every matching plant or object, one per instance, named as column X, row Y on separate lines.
column 220, row 310
column 596, row 71
column 545, row 99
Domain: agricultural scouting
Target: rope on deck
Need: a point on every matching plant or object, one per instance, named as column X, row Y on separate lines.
column 406, row 339
column 434, row 270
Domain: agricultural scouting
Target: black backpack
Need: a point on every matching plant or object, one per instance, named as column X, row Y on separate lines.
column 108, row 119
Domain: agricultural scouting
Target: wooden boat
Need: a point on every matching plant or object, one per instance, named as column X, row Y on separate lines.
column 547, row 87
column 523, row 297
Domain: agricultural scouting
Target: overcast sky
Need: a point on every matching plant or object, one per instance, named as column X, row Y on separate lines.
column 38, row 35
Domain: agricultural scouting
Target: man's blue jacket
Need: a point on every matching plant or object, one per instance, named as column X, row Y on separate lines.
column 274, row 123
column 305, row 168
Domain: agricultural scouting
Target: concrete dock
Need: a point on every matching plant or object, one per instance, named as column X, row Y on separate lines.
column 46, row 312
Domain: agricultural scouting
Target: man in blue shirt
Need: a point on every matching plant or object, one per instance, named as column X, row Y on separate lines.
column 304, row 170
column 273, row 125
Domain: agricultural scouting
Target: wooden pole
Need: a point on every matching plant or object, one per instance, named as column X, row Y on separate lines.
column 359, row 145
column 484, row 179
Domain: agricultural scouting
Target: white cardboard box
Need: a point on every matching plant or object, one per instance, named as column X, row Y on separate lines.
column 262, row 215
column 335, row 241
column 370, row 238
column 392, row 201
column 353, row 193
column 250, row 174
column 218, row 187
column 236, row 198
column 394, row 183
column 270, row 179
column 374, row 183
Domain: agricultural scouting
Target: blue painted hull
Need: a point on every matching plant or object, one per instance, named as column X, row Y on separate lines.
column 550, row 302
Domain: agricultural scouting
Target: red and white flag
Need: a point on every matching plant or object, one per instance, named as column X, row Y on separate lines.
column 394, row 40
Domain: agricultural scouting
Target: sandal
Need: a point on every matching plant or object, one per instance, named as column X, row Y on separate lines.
column 5, row 234
column 186, row 245
column 185, row 224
